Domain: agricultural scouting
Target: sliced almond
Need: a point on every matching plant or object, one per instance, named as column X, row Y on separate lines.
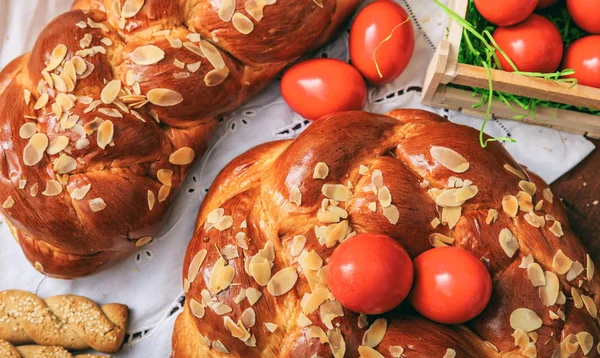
column 58, row 54
column 295, row 195
column 466, row 193
column 366, row 351
column 492, row 216
column 577, row 300
column 589, row 264
column 271, row 327
column 377, row 178
column 130, row 9
column 303, row 320
column 8, row 203
column 385, row 196
column 110, row 91
column 524, row 318
column 195, row 265
column 297, row 245
column 586, row 341
column 375, row 334
column 27, row 130
column 451, row 216
column 41, row 102
column 336, row 343
column 242, row 23
column 536, row 274
column 196, row 308
column 260, row 269
column 527, row 187
column 440, row 240
column 549, row 292
column 182, row 156
column 64, row 164
column 525, row 202
column 97, row 204
column 590, row 305
column 337, row 192
column 253, row 295
column 151, row 199
column 510, row 205
column 310, row 260
column 396, row 351
column 575, row 270
column 515, row 171
column 193, row 67
column 226, row 10
column 508, row 242
column 561, row 263
column 105, row 133
column 248, row 317
column 450, row 353
column 547, row 194
column 255, row 8
column 164, row 97
column 34, row 150
column 163, row 193
column 556, row 229
column 315, row 299
column 283, row 281
column 534, row 220
column 449, row 159
column 147, row 55
column 321, row 171
column 392, row 214
column 221, row 277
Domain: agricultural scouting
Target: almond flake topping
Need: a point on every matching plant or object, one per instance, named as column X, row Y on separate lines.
column 527, row 187
column 549, row 292
column 314, row 300
column 80, row 193
column 577, row 301
column 253, row 295
column 515, row 171
column 219, row 347
column 248, row 317
column 195, row 265
column 212, row 54
column 510, row 205
column 375, row 334
column 110, row 91
column 534, row 220
column 97, row 204
column 440, row 240
column 366, row 351
column 508, row 242
column 575, row 270
column 216, row 77
column 271, row 327
column 34, row 150
column 105, row 134
column 590, row 305
column 221, row 277
column 64, row 164
column 524, row 318
column 492, row 216
column 321, row 171
column 556, row 229
column 226, row 10
column 182, row 156
column 385, row 196
column 41, row 102
column 586, row 341
column 58, row 54
column 151, row 199
column 337, row 192
column 589, row 264
column 525, row 202
column 297, row 245
column 319, row 3
column 536, row 274
column 131, row 8
column 8, row 203
column 27, row 130
column 22, row 184
column 229, row 252
column 164, row 97
column 450, row 353
column 396, row 351
column 336, row 343
column 33, row 191
column 242, row 23
column 303, row 320
column 449, row 159
column 561, row 263
column 147, row 55
column 53, row 188
column 196, row 308
column 165, row 176
column 547, row 194
column 193, row 67
column 295, row 195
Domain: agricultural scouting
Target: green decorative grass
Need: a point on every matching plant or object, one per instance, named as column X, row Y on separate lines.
column 478, row 48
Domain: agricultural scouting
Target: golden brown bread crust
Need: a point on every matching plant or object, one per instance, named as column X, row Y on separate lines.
column 64, row 236
column 255, row 189
column 67, row 321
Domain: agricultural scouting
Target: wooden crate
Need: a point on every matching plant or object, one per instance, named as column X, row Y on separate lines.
column 444, row 69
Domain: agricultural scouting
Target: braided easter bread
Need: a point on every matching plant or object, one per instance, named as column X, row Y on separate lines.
column 118, row 98
column 69, row 321
column 7, row 350
column 255, row 271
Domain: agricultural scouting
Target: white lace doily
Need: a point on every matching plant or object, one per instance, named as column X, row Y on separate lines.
column 149, row 282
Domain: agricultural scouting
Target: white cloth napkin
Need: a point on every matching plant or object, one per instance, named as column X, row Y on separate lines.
column 149, row 282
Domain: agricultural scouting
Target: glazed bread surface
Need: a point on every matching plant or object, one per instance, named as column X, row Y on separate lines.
column 255, row 270
column 106, row 115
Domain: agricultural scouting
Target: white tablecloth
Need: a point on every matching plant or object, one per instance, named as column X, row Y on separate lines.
column 149, row 282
